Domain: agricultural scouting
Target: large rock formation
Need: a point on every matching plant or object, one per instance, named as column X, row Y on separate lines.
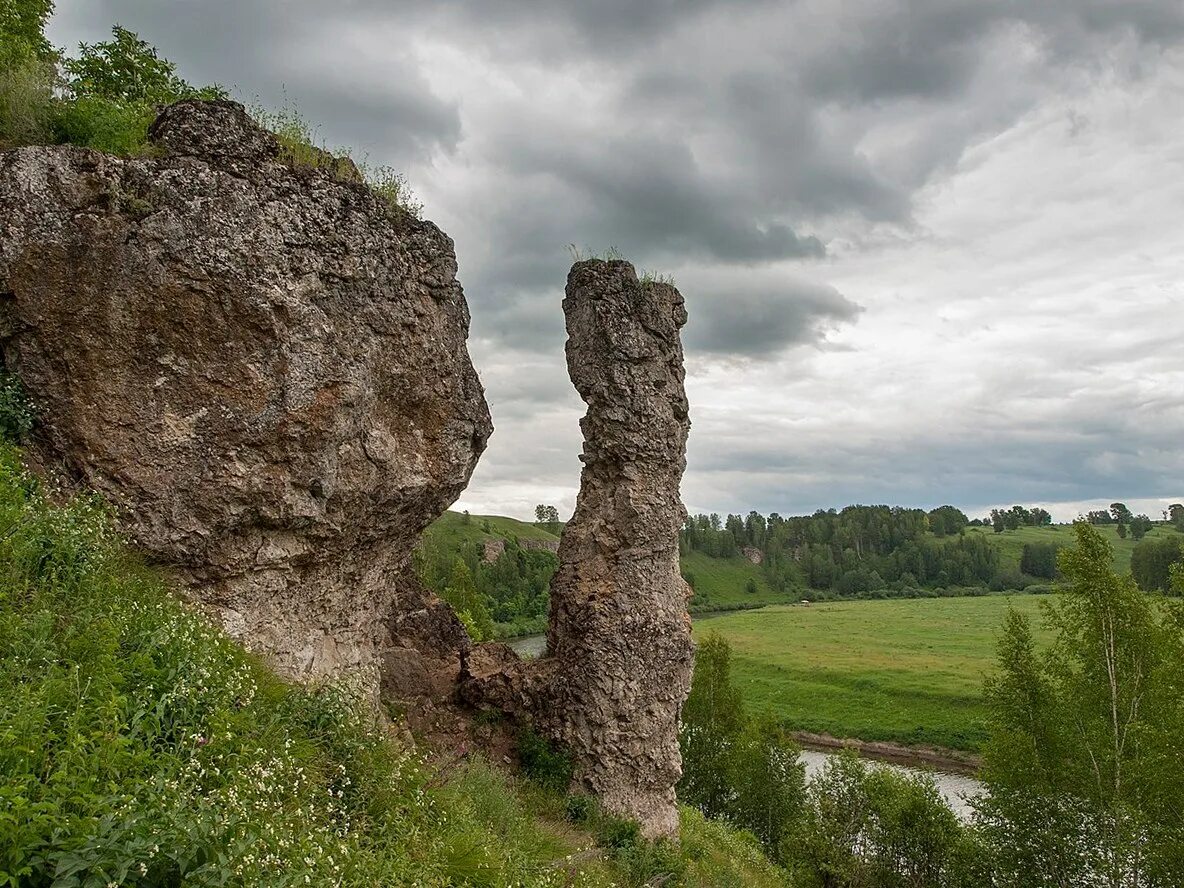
column 262, row 367
column 619, row 654
column 619, row 633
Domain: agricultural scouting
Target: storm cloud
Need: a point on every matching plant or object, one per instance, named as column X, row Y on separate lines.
column 930, row 248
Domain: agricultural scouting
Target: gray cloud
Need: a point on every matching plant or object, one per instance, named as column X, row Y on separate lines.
column 755, row 320
column 755, row 149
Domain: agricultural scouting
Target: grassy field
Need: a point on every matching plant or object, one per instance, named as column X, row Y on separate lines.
column 908, row 671
column 1010, row 543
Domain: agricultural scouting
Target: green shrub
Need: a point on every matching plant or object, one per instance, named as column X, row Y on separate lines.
column 113, row 92
column 579, row 808
column 16, row 410
column 870, row 826
column 542, row 762
column 104, row 124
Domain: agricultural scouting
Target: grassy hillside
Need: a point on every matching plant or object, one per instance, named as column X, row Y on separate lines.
column 722, row 583
column 1010, row 543
column 908, row 671
column 140, row 746
column 452, row 529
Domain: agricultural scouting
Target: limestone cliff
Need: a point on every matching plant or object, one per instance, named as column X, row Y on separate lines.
column 263, row 368
column 619, row 654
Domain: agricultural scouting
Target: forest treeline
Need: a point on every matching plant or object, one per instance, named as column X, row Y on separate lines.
column 857, row 551
column 889, row 551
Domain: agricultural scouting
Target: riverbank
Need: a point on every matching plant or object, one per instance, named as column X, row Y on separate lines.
column 952, row 761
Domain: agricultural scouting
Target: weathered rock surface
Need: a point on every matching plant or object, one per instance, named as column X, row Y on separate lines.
column 619, row 630
column 263, row 368
column 619, row 653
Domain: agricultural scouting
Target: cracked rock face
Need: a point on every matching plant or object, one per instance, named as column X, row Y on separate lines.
column 619, row 656
column 617, row 669
column 619, row 659
column 263, row 368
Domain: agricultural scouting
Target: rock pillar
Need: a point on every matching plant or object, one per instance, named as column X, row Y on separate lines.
column 619, row 637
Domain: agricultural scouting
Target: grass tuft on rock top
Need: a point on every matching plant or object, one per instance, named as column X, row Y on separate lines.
column 141, row 746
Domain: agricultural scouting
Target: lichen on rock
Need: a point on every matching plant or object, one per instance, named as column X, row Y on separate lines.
column 263, row 368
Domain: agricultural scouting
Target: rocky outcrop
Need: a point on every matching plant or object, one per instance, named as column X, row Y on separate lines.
column 619, row 632
column 264, row 370
column 619, row 654
column 492, row 549
column 753, row 554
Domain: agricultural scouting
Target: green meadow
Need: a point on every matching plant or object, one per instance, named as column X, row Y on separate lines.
column 906, row 670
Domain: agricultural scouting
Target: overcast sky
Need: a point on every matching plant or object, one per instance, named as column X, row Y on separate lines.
column 932, row 251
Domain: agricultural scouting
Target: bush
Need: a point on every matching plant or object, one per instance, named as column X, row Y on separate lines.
column 1152, row 560
column 875, row 827
column 542, row 762
column 1011, row 579
column 16, row 410
column 1040, row 560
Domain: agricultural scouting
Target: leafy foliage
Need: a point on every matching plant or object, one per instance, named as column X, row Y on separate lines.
column 1084, row 766
column 16, row 410
column 114, row 89
column 874, row 828
column 22, row 32
column 1152, row 560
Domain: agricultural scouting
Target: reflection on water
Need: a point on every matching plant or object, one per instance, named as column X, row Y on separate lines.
column 954, row 788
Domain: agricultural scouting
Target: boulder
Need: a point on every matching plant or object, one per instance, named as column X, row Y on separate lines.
column 262, row 368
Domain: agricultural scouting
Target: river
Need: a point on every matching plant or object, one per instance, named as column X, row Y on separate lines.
column 956, row 789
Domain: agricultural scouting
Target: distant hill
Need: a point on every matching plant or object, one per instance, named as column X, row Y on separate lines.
column 1010, row 543
column 516, row 595
column 453, row 529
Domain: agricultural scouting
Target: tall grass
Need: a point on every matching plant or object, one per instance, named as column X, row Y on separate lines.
column 139, row 746
column 27, row 104
column 302, row 147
